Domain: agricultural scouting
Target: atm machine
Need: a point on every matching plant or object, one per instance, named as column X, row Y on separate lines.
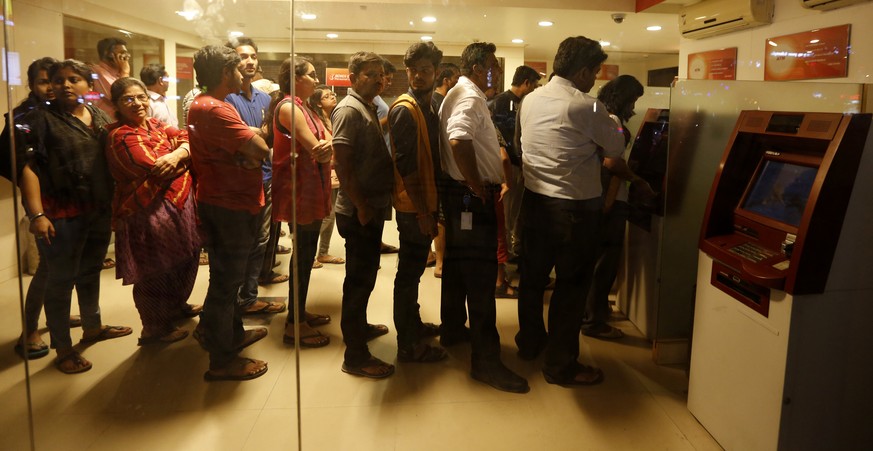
column 782, row 348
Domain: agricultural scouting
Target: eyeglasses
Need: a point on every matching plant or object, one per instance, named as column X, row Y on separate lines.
column 129, row 100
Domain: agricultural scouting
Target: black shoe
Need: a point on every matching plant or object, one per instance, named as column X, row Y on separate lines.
column 500, row 377
column 454, row 337
column 528, row 350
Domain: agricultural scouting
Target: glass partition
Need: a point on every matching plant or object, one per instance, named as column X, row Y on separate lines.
column 153, row 396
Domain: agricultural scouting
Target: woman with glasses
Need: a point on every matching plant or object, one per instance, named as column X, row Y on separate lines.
column 68, row 188
column 323, row 101
column 156, row 240
column 302, row 145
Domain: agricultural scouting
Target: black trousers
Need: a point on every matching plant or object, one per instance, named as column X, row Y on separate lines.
column 411, row 261
column 363, row 243
column 306, row 245
column 559, row 234
column 470, row 269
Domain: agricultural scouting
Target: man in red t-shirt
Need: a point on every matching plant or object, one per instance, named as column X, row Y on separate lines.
column 226, row 155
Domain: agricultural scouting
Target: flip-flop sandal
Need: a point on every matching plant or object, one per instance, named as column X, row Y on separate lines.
column 282, row 250
column 428, row 330
column 169, row 337
column 82, row 365
column 376, row 330
column 241, row 374
column 250, row 337
column 108, row 333
column 316, row 319
column 267, row 307
column 191, row 310
column 502, row 292
column 34, row 350
column 317, row 264
column 330, row 259
column 372, row 362
column 204, row 259
column 108, row 263
column 388, row 249
column 316, row 340
column 274, row 278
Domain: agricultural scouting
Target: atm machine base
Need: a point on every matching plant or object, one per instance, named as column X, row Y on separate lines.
column 800, row 378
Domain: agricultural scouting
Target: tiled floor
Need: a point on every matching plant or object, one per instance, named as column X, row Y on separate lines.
column 154, row 398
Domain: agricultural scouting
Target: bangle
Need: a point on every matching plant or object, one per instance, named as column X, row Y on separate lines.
column 36, row 216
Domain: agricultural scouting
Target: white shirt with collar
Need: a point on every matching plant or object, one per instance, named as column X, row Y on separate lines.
column 464, row 115
column 159, row 109
column 561, row 128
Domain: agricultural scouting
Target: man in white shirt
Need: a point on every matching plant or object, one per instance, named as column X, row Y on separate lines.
column 154, row 76
column 471, row 160
column 562, row 128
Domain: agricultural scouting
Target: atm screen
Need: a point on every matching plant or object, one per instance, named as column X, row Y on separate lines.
column 780, row 191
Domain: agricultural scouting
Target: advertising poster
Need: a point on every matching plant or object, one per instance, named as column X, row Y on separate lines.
column 608, row 72
column 713, row 65
column 337, row 77
column 821, row 53
column 184, row 68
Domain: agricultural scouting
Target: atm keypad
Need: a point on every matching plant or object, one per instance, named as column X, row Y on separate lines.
column 752, row 251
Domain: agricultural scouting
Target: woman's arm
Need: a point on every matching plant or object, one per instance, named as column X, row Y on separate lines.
column 40, row 225
column 321, row 150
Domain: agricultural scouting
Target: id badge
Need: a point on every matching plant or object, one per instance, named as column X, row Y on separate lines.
column 466, row 220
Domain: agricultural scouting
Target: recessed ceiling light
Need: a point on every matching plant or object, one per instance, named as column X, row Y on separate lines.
column 604, row 43
column 654, row 28
column 518, row 41
column 545, row 23
column 332, row 35
column 428, row 19
column 773, row 43
column 427, row 38
column 814, row 41
column 308, row 16
column 235, row 34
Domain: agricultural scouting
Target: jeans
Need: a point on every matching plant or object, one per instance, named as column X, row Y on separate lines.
column 248, row 293
column 230, row 236
column 34, row 299
column 327, row 225
column 74, row 258
column 611, row 241
column 305, row 243
column 363, row 243
column 511, row 211
column 560, row 234
column 272, row 234
column 411, row 261
column 470, row 269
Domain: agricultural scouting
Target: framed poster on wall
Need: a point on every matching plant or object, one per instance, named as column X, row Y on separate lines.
column 713, row 65
column 820, row 53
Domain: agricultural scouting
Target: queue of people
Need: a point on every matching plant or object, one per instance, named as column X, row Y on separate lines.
column 440, row 158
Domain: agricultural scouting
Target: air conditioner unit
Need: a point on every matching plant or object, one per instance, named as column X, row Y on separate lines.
column 824, row 5
column 714, row 17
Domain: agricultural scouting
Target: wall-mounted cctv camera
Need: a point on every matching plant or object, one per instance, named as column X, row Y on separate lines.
column 618, row 17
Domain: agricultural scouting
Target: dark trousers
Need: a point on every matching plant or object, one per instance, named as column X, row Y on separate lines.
column 611, row 241
column 559, row 234
column 230, row 237
column 160, row 298
column 470, row 269
column 306, row 244
column 74, row 258
column 363, row 243
column 248, row 293
column 411, row 261
column 272, row 234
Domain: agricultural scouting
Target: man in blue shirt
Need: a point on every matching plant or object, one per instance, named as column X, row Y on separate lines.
column 252, row 105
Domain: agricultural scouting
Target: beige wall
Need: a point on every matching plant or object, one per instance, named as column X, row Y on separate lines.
column 790, row 17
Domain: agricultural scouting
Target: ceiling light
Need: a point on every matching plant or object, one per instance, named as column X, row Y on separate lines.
column 308, row 16
column 604, row 43
column 814, row 41
column 545, row 23
column 518, row 41
column 427, row 38
column 428, row 19
column 332, row 35
column 773, row 43
column 654, row 28
column 188, row 15
column 235, row 34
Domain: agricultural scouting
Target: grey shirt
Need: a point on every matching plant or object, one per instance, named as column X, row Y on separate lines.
column 355, row 124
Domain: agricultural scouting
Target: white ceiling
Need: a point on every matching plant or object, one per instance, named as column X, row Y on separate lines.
column 459, row 22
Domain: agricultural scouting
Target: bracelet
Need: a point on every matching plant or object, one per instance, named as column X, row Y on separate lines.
column 36, row 216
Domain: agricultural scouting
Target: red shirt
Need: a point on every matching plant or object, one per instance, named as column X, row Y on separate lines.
column 131, row 152
column 217, row 133
column 313, row 178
